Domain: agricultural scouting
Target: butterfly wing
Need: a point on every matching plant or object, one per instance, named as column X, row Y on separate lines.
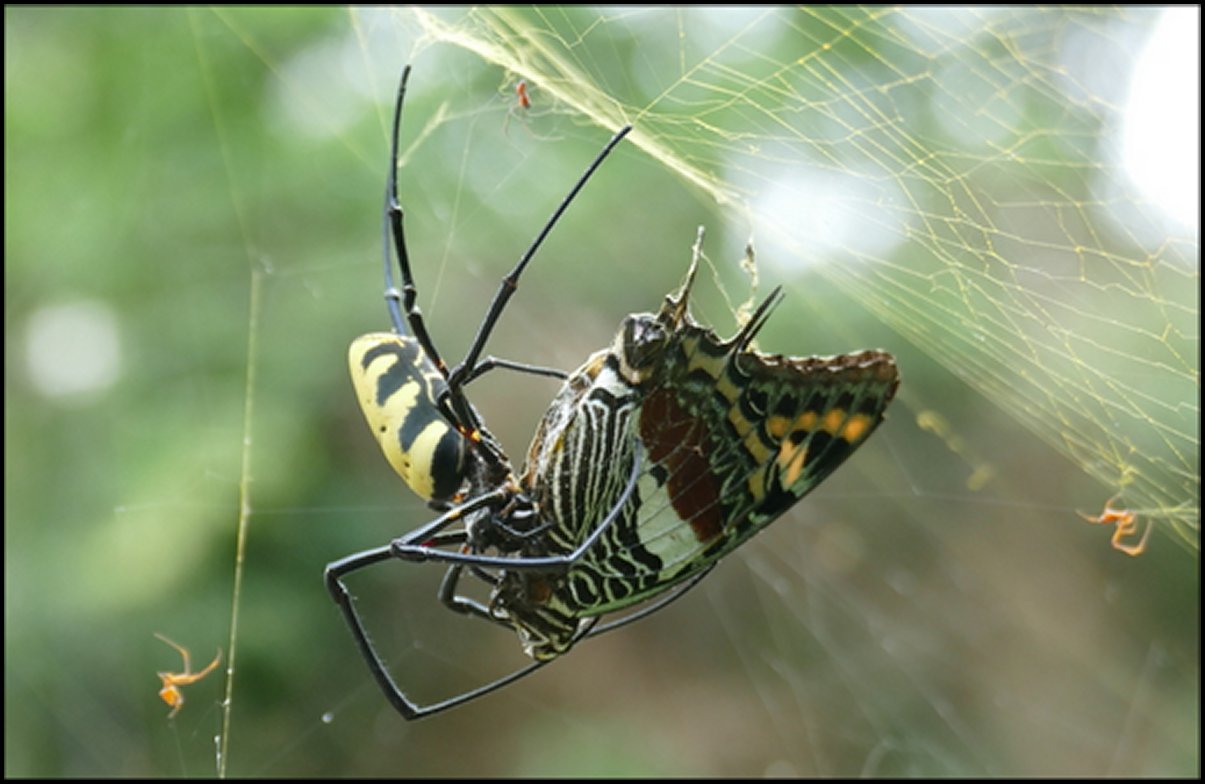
column 740, row 437
column 728, row 439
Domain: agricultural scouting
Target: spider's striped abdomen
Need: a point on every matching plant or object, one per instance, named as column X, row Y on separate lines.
column 399, row 390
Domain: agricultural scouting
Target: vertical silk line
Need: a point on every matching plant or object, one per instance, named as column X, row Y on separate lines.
column 258, row 268
column 244, row 516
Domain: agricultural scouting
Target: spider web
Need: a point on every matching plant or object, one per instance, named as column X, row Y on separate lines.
column 952, row 185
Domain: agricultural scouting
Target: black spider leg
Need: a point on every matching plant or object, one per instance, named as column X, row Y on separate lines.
column 338, row 570
column 397, row 300
column 423, row 544
column 397, row 698
column 403, row 303
column 676, row 593
column 335, row 572
column 469, row 368
column 411, row 710
column 430, row 534
column 451, row 599
column 416, row 545
column 591, row 630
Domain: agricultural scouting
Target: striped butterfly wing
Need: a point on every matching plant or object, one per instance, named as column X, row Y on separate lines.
column 736, row 437
column 728, row 440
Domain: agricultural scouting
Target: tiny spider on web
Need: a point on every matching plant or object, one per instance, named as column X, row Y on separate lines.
column 172, row 681
column 521, row 92
column 522, row 110
column 1127, row 525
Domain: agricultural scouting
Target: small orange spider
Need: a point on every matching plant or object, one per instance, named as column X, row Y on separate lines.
column 521, row 91
column 1127, row 525
column 170, row 693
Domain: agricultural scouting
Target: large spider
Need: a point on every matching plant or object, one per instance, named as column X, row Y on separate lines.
column 661, row 454
column 435, row 440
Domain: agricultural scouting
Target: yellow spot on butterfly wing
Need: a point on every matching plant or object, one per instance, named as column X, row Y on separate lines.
column 795, row 469
column 856, row 428
column 806, row 421
column 833, row 419
column 778, row 427
column 793, row 451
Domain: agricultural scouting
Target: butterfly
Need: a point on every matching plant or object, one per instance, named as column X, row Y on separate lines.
column 670, row 449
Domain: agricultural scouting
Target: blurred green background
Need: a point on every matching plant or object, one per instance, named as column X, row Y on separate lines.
column 192, row 238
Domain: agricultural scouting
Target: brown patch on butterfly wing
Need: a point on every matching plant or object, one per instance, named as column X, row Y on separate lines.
column 678, row 442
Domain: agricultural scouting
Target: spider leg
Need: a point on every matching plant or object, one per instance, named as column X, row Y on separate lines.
column 179, row 649
column 1128, row 527
column 460, row 699
column 422, row 544
column 415, row 547
column 334, row 583
column 337, row 570
column 397, row 698
column 402, row 303
column 491, row 362
column 510, row 283
column 430, row 537
column 463, row 604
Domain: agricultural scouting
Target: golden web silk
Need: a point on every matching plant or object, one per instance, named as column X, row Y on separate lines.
column 729, row 439
column 400, row 390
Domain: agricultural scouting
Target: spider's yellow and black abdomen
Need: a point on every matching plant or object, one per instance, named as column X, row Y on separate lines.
column 399, row 390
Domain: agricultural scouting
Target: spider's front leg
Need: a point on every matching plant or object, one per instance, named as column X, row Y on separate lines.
column 469, row 367
column 491, row 362
column 425, row 543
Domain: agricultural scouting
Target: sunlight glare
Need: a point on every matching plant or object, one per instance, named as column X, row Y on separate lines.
column 1161, row 140
column 819, row 217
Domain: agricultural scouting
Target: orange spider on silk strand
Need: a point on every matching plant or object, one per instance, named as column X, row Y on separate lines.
column 1127, row 525
column 172, row 681
column 521, row 91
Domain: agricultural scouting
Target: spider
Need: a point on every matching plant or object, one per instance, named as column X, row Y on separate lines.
column 521, row 108
column 435, row 440
column 1127, row 525
column 660, row 454
column 172, row 681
